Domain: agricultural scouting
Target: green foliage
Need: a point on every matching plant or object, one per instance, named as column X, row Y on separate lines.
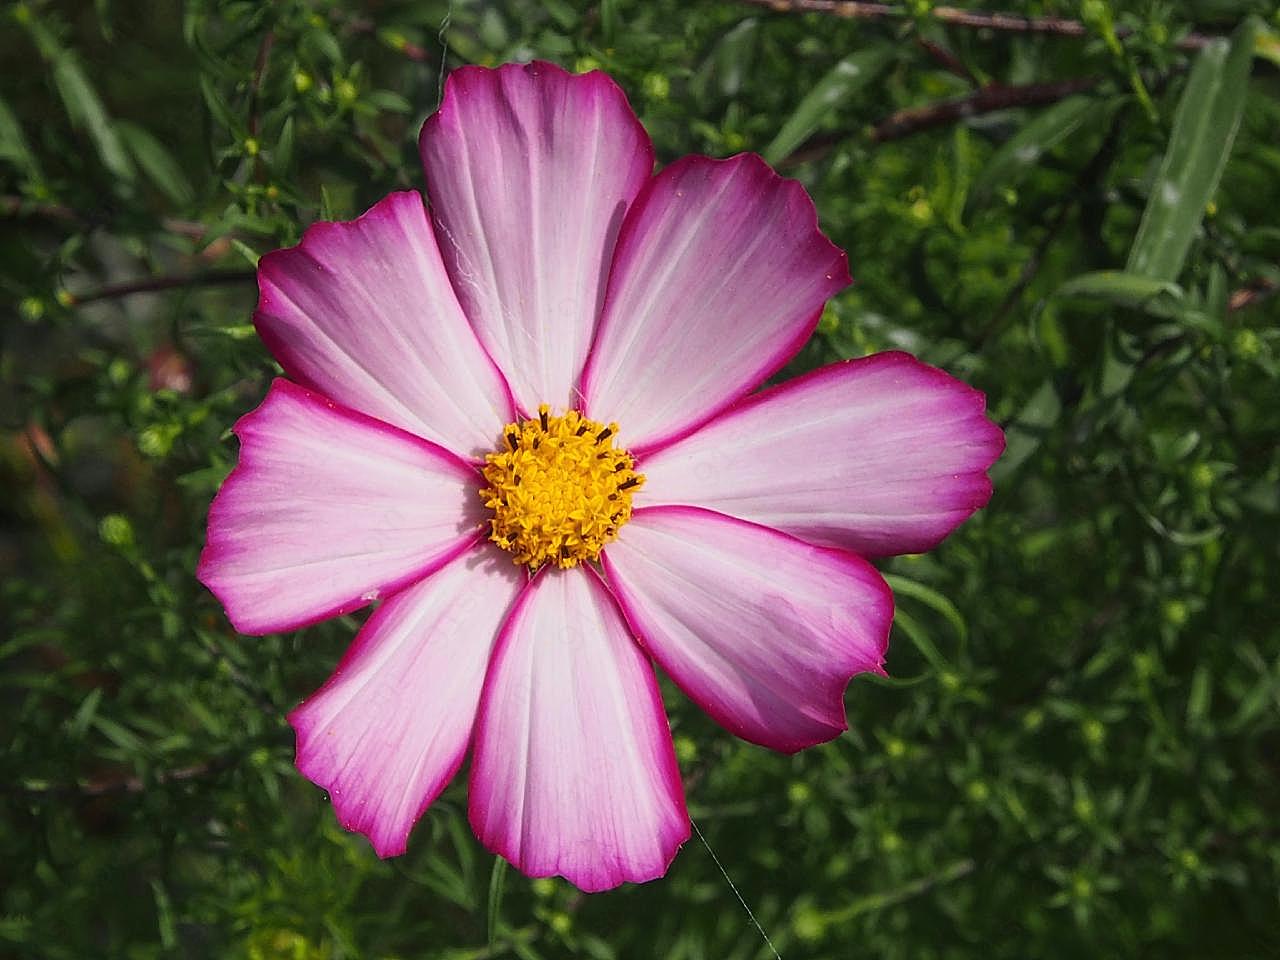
column 1075, row 752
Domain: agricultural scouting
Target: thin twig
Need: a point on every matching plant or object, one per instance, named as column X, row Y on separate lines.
column 156, row 284
column 259, row 72
column 987, row 100
column 952, row 16
column 13, row 206
column 130, row 783
column 947, row 60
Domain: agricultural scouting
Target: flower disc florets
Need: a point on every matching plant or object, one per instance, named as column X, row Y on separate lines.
column 559, row 489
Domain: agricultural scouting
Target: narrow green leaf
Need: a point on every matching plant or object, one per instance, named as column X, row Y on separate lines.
column 562, row 13
column 86, row 111
column 841, row 82
column 1262, row 697
column 120, row 735
column 220, row 110
column 84, row 714
column 1022, row 152
column 246, row 251
column 1124, row 290
column 328, row 204
column 920, row 640
column 902, row 587
column 387, row 100
column 13, row 143
column 157, row 163
column 282, row 155
column 323, row 44
column 730, row 60
column 497, row 881
column 1199, row 697
column 164, row 915
column 1217, row 294
column 608, row 20
column 1204, row 129
column 105, row 26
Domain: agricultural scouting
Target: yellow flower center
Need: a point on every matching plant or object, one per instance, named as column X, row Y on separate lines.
column 559, row 489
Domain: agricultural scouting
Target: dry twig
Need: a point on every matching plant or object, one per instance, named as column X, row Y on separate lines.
column 952, row 16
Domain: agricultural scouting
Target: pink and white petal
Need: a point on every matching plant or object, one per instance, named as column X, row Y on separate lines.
column 719, row 278
column 760, row 629
column 389, row 730
column 530, row 170
column 573, row 771
column 328, row 510
column 363, row 312
column 883, row 455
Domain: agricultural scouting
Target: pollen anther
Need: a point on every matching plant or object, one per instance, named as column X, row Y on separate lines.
column 559, row 489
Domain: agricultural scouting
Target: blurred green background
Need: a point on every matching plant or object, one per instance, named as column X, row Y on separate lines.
column 1078, row 753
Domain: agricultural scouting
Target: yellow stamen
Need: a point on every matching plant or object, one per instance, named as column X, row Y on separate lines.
column 558, row 488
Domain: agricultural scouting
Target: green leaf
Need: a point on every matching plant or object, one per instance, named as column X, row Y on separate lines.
column 1122, row 289
column 1204, row 129
column 608, row 20
column 322, row 44
column 157, row 163
column 84, row 714
column 730, row 61
column 497, row 881
column 86, row 111
column 1199, row 698
column 220, row 110
column 164, row 915
column 902, row 587
column 120, row 735
column 920, row 640
column 13, row 143
column 282, row 155
column 841, row 82
column 562, row 13
column 387, row 100
column 1022, row 152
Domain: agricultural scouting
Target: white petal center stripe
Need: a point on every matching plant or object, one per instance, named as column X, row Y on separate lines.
column 882, row 455
column 329, row 510
column 390, row 728
column 529, row 170
column 720, row 275
column 760, row 629
column 574, row 772
column 363, row 312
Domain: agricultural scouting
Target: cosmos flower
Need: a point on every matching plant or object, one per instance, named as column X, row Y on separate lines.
column 525, row 422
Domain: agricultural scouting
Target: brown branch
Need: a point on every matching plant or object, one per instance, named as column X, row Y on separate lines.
column 947, row 60
column 952, row 16
column 987, row 100
column 130, row 783
column 259, row 72
column 156, row 284
column 13, row 206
